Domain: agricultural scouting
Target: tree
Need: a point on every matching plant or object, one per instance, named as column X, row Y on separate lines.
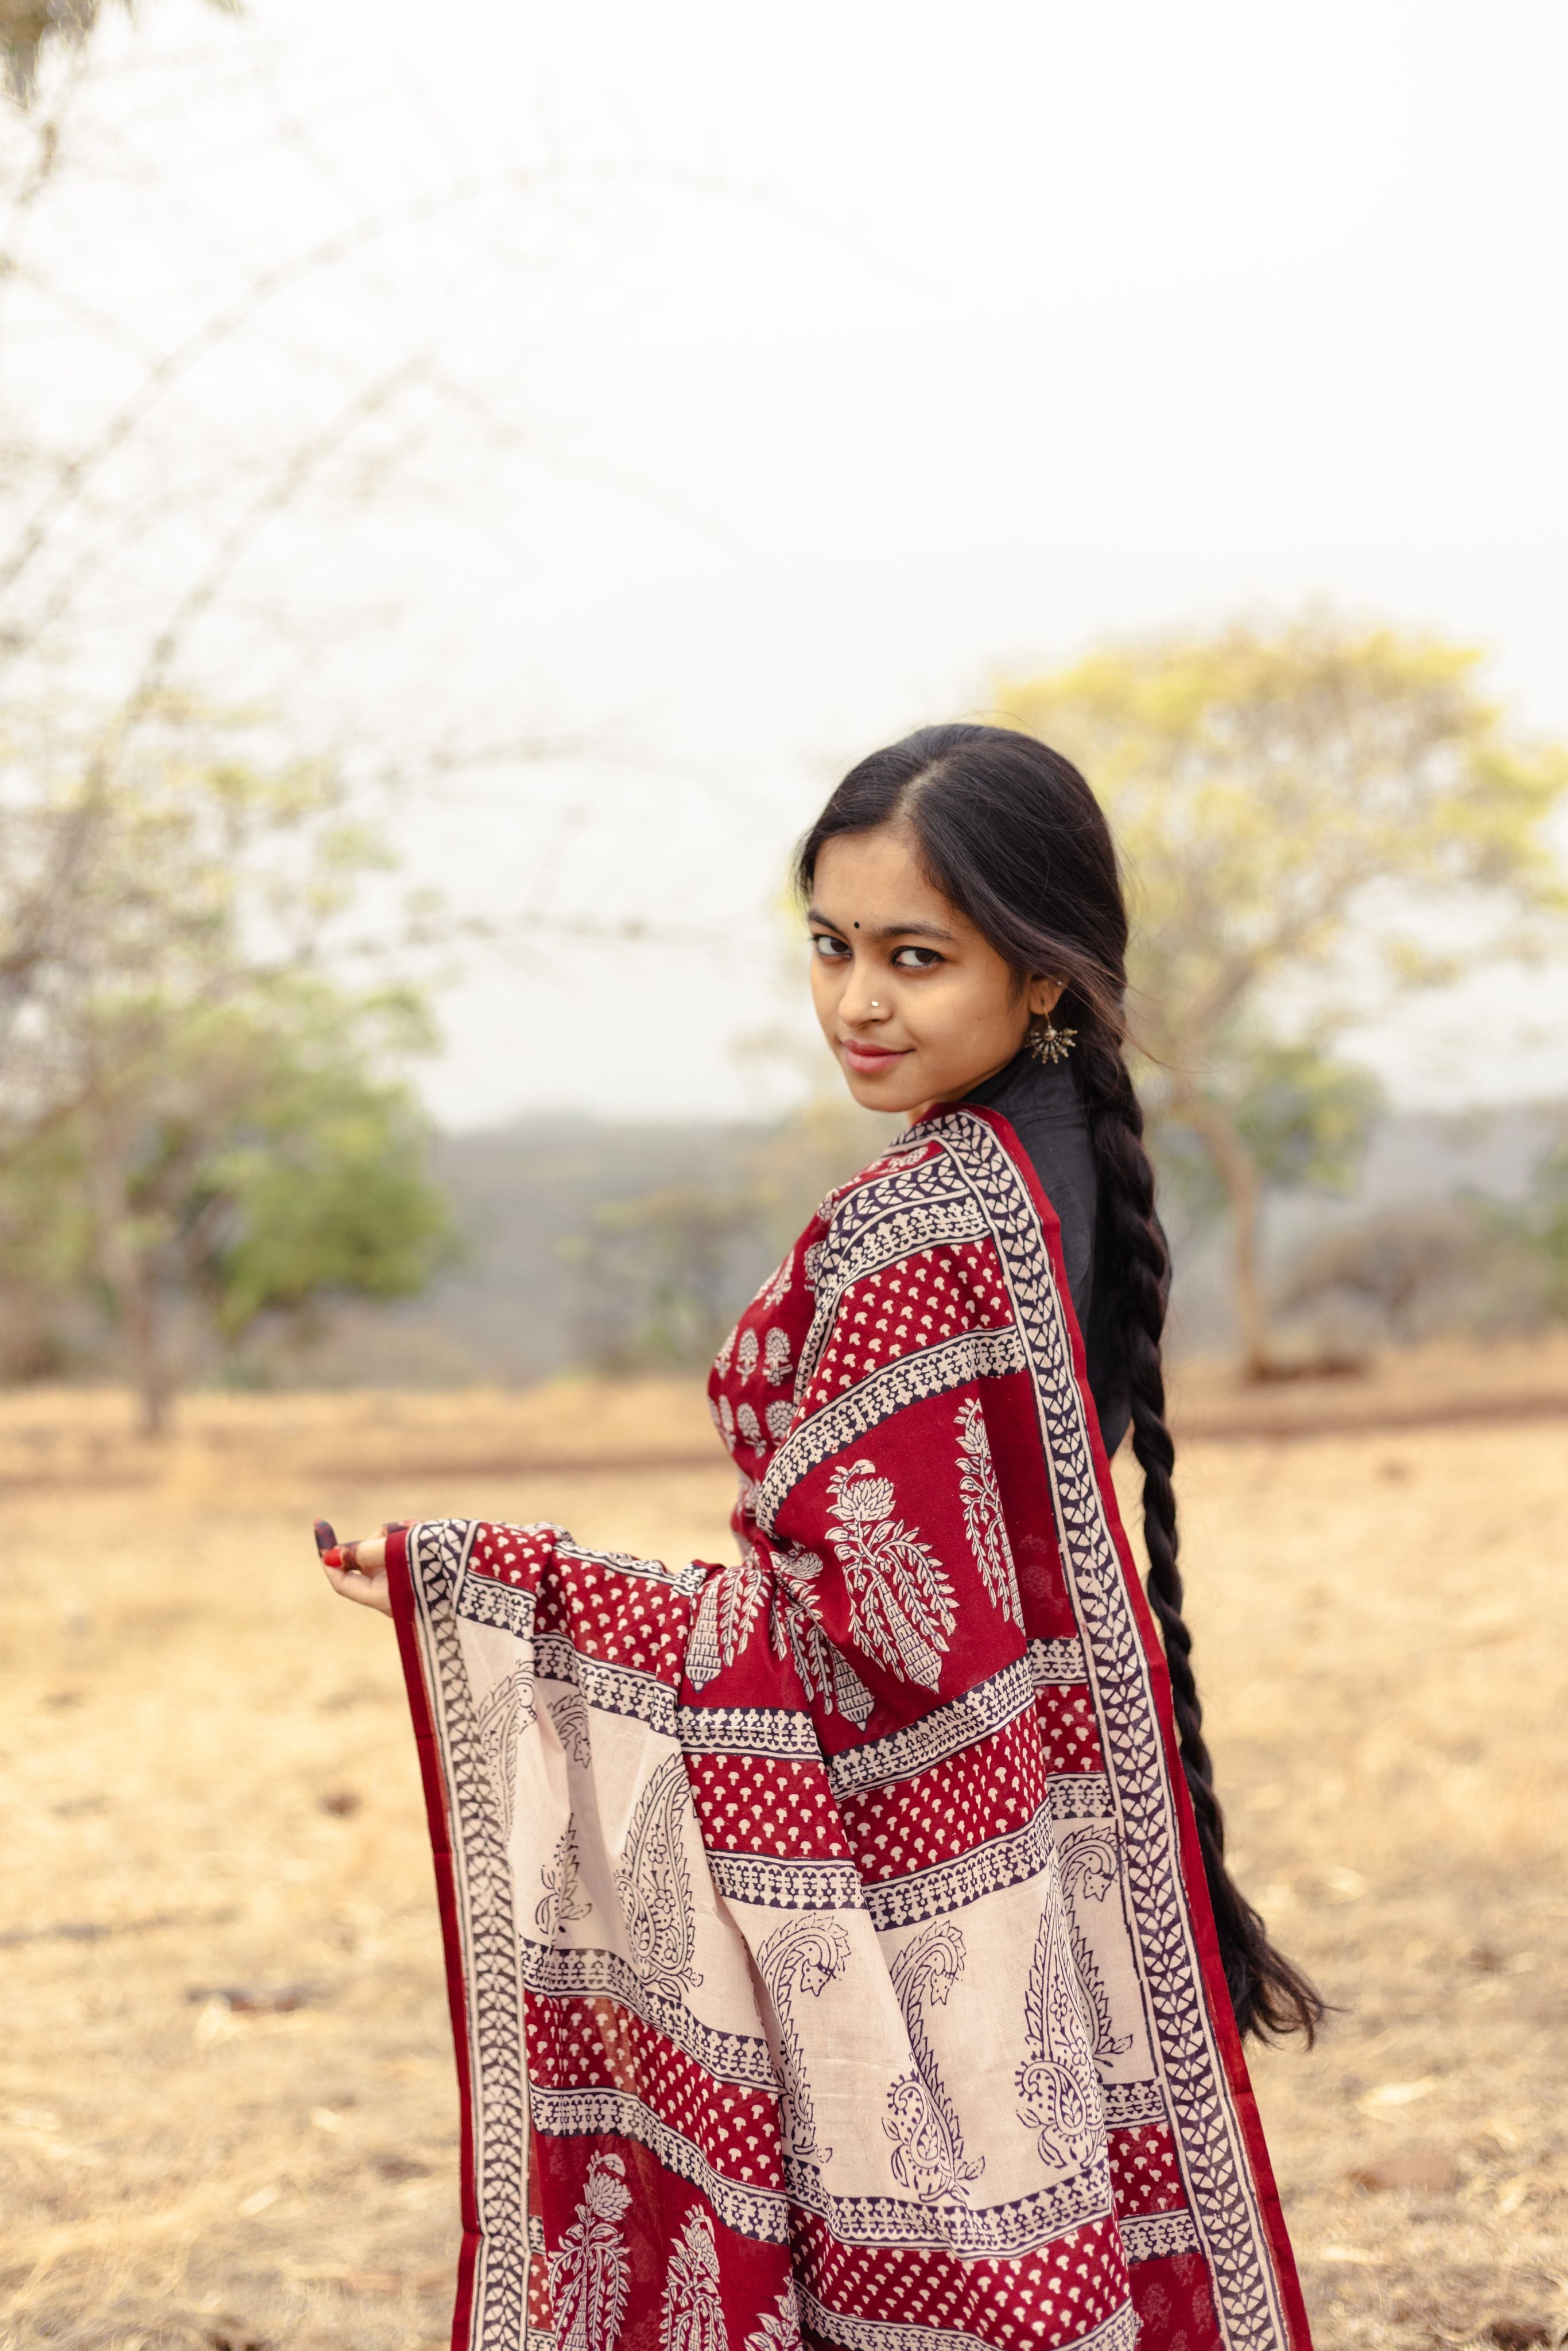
column 659, row 1275
column 1539, row 1228
column 1292, row 804
column 28, row 28
column 216, row 1108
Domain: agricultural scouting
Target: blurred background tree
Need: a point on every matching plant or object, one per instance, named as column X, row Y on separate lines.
column 205, row 1122
column 657, row 1276
column 29, row 28
column 1283, row 797
column 200, row 1123
column 662, row 1274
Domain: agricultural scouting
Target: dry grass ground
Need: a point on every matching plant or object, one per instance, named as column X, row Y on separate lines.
column 212, row 1792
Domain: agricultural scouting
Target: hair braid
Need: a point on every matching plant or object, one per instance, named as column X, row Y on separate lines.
column 1268, row 1995
column 1011, row 834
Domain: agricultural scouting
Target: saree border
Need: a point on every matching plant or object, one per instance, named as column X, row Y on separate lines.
column 474, row 1891
column 1219, row 2140
column 972, row 1172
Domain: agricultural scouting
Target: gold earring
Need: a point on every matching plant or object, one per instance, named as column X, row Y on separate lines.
column 1050, row 1044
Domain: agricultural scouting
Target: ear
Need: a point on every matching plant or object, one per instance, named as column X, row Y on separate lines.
column 1045, row 995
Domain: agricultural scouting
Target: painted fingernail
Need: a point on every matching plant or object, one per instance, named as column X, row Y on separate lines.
column 332, row 1558
column 325, row 1538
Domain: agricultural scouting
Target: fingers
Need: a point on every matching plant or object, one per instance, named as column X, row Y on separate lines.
column 357, row 1570
column 368, row 1554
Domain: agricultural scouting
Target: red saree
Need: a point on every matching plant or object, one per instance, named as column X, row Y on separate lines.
column 829, row 1954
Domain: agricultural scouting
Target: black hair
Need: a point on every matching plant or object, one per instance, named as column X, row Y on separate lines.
column 1012, row 836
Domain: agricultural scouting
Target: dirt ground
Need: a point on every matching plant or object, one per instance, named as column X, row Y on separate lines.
column 227, row 2113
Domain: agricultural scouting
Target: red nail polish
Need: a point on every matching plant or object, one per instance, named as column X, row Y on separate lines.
column 333, row 1558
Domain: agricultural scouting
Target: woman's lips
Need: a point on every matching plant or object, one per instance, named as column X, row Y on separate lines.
column 870, row 1060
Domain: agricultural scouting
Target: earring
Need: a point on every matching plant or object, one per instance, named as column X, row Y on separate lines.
column 1051, row 1044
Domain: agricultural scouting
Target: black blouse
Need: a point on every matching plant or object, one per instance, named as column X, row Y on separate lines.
column 1041, row 1100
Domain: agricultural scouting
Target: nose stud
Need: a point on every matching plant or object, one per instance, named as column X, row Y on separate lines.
column 875, row 1006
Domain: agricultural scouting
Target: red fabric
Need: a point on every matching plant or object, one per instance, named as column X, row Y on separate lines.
column 870, row 1988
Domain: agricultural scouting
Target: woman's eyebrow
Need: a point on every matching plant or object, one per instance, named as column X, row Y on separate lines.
column 883, row 930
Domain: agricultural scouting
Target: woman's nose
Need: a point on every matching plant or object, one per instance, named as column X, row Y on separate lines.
column 859, row 1002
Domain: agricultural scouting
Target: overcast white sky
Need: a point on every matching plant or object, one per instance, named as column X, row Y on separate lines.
column 769, row 375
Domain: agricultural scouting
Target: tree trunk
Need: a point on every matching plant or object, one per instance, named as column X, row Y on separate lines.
column 1238, row 1172
column 128, row 1263
column 149, row 1365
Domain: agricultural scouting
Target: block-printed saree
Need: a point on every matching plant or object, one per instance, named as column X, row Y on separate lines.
column 829, row 1954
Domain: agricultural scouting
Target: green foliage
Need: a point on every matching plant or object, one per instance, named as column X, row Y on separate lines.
column 259, row 1169
column 223, row 1112
column 1286, row 802
column 343, row 1206
column 657, row 1276
column 1305, row 1117
column 320, row 1190
column 1549, row 1233
column 47, row 1277
column 661, row 1276
column 1540, row 1228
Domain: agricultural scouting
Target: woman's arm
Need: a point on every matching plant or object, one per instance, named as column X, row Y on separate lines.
column 359, row 1570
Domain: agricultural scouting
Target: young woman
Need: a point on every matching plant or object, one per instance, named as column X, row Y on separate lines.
column 841, row 1943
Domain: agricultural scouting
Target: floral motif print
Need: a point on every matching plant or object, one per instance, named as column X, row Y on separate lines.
column 654, row 1885
column 807, row 1954
column 798, row 1633
column 502, row 1716
column 929, row 2155
column 746, row 1420
column 983, row 1521
column 570, row 1715
column 779, row 1416
column 747, row 1353
column 590, row 2274
column 729, row 1607
column 1058, row 2088
column 779, row 2329
column 901, row 1603
column 776, row 1289
column 692, row 2318
column 776, row 1360
column 1088, row 1860
column 563, row 1899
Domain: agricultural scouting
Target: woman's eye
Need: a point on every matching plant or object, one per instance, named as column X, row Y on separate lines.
column 830, row 950
column 915, row 958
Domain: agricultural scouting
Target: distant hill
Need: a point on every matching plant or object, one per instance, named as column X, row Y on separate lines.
column 1415, row 1161
column 513, row 1311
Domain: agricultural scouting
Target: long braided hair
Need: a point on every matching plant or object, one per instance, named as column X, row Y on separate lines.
column 1012, row 836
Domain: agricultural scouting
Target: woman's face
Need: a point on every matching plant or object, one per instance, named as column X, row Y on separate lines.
column 915, row 1005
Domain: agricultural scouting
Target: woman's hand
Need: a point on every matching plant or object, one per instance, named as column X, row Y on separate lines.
column 359, row 1570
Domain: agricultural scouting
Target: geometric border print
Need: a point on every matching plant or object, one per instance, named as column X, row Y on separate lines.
column 1226, row 2206
column 474, row 1881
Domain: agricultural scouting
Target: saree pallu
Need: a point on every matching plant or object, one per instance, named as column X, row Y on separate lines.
column 829, row 1953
